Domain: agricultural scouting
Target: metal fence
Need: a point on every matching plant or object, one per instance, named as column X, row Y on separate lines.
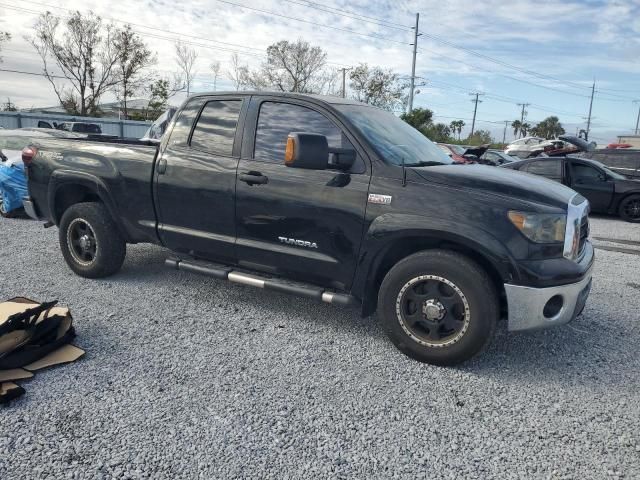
column 110, row 126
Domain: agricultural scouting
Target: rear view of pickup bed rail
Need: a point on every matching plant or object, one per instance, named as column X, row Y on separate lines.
column 330, row 199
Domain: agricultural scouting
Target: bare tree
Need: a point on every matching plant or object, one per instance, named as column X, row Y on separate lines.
column 133, row 59
column 238, row 73
column 84, row 52
column 186, row 59
column 291, row 67
column 4, row 37
column 378, row 87
column 215, row 69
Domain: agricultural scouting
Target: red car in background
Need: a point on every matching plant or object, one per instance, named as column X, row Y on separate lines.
column 460, row 154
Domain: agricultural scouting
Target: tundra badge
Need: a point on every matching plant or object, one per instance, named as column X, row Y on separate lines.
column 299, row 243
column 379, row 199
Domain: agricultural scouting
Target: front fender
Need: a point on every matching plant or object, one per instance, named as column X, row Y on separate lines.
column 390, row 230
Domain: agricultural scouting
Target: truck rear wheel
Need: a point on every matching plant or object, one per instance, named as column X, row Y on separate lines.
column 438, row 307
column 90, row 241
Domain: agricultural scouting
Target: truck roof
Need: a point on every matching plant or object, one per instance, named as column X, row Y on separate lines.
column 323, row 98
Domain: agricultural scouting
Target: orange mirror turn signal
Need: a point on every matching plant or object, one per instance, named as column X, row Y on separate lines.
column 289, row 152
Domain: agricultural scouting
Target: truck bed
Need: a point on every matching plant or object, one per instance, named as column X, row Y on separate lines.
column 122, row 171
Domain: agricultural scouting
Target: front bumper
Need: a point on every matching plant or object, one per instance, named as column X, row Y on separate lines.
column 30, row 208
column 527, row 304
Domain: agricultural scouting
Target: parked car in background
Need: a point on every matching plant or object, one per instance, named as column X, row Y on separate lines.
column 75, row 127
column 461, row 153
column 524, row 147
column 496, row 158
column 607, row 191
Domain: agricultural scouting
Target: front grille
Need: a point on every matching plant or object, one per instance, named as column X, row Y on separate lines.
column 584, row 232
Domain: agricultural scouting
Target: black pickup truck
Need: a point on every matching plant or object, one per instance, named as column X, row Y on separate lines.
column 330, row 199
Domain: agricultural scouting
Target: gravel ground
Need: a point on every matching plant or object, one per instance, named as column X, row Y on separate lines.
column 186, row 376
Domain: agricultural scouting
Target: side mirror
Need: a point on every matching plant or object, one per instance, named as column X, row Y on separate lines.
column 306, row 150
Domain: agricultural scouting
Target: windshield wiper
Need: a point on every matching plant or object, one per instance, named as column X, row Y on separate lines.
column 424, row 164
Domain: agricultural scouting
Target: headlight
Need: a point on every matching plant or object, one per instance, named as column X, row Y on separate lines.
column 540, row 227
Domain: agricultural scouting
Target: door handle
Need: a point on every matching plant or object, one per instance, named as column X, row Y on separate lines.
column 253, row 178
column 162, row 166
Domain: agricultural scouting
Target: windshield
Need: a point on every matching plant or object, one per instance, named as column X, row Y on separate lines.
column 393, row 139
column 610, row 172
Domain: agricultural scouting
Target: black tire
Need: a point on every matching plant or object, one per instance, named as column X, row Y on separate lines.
column 469, row 320
column 629, row 209
column 90, row 241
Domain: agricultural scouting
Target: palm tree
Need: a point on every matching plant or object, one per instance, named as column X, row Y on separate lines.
column 456, row 127
column 516, row 124
column 524, row 129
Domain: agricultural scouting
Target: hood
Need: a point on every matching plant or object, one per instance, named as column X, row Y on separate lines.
column 477, row 151
column 499, row 181
column 582, row 144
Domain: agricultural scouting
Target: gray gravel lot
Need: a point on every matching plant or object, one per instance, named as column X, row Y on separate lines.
column 186, row 376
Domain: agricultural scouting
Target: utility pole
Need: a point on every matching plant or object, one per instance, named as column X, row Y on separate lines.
column 524, row 112
column 637, row 119
column 344, row 81
column 413, row 64
column 593, row 89
column 504, row 134
column 475, row 110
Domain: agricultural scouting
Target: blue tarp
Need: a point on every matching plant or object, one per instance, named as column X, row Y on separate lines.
column 13, row 186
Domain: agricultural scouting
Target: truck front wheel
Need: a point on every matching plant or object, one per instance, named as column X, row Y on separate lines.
column 438, row 307
column 90, row 241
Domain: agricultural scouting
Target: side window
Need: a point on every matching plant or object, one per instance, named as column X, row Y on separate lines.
column 215, row 129
column 182, row 128
column 550, row 169
column 586, row 172
column 277, row 120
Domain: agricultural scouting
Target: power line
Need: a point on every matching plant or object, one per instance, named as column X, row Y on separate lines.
column 242, row 52
column 30, row 73
column 352, row 15
column 353, row 32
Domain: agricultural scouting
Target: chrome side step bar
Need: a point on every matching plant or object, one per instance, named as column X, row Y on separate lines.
column 223, row 272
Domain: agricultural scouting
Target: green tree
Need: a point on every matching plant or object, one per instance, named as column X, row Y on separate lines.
column 158, row 97
column 438, row 132
column 525, row 128
column 133, row 58
column 418, row 117
column 456, row 127
column 549, row 128
column 480, row 137
column 516, row 124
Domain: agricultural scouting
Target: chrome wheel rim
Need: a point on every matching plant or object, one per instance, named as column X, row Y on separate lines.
column 82, row 242
column 433, row 311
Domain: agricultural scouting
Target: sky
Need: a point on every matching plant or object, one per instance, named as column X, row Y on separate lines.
column 543, row 53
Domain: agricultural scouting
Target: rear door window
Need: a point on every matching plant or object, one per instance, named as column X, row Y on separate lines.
column 182, row 128
column 215, row 130
column 551, row 169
